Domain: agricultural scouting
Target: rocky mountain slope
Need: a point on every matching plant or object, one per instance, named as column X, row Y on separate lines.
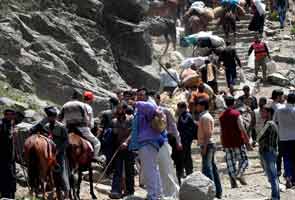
column 50, row 47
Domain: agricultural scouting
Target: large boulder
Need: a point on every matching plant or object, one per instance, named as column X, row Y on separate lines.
column 51, row 52
column 129, row 10
column 197, row 186
column 278, row 79
column 136, row 59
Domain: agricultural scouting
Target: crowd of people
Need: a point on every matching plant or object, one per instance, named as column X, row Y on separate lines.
column 139, row 134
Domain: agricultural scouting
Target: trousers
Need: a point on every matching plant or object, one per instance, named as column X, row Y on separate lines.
column 261, row 63
column 167, row 172
column 86, row 133
column 148, row 157
column 269, row 162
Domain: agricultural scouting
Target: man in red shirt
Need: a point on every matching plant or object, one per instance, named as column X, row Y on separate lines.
column 234, row 140
column 261, row 52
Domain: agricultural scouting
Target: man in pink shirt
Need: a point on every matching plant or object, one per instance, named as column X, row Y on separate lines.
column 207, row 146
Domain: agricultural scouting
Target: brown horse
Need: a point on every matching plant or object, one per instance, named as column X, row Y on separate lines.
column 80, row 153
column 166, row 8
column 40, row 157
column 158, row 26
column 228, row 22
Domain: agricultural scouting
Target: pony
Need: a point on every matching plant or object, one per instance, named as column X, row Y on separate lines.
column 80, row 154
column 40, row 157
column 167, row 8
column 228, row 22
column 158, row 26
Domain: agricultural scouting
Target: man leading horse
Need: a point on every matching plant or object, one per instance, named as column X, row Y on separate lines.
column 56, row 131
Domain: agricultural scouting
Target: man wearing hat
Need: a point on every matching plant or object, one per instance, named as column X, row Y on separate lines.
column 78, row 117
column 7, row 156
column 285, row 117
column 56, row 131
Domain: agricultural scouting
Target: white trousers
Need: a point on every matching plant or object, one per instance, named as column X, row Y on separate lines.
column 167, row 172
column 148, row 156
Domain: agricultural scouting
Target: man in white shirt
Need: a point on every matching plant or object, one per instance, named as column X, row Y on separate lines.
column 169, row 81
column 259, row 121
column 285, row 118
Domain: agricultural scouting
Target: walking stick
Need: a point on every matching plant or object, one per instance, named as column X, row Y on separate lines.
column 162, row 66
column 110, row 162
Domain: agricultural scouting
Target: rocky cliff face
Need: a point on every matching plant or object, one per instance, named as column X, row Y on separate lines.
column 50, row 47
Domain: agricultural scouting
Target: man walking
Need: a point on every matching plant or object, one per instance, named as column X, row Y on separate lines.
column 284, row 117
column 56, row 131
column 187, row 129
column 261, row 53
column 230, row 59
column 208, row 148
column 234, row 140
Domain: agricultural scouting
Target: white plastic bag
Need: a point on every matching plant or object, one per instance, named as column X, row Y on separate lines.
column 251, row 61
column 271, row 67
column 217, row 41
column 260, row 7
column 242, row 76
column 198, row 61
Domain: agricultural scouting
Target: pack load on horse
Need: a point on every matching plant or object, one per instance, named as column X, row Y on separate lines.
column 196, row 61
column 197, row 18
column 166, row 8
column 203, row 42
column 158, row 26
column 40, row 157
column 229, row 12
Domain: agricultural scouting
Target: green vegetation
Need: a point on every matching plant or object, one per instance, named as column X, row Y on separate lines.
column 274, row 16
column 25, row 99
column 293, row 30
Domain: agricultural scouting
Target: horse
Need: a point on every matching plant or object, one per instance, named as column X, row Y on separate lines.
column 228, row 22
column 158, row 26
column 40, row 157
column 167, row 8
column 80, row 154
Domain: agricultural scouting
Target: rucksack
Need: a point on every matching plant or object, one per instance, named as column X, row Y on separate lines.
column 159, row 121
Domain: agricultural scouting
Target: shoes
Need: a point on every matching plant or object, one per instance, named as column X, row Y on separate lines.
column 115, row 195
column 233, row 183
column 242, row 180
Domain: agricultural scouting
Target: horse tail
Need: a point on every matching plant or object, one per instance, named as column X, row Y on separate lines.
column 33, row 169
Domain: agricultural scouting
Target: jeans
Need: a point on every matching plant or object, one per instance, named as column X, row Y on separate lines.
column 280, row 159
column 124, row 160
column 288, row 149
column 148, row 157
column 231, row 76
column 282, row 14
column 210, row 170
column 186, row 159
column 269, row 161
column 167, row 172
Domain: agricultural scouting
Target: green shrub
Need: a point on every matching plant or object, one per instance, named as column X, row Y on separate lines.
column 293, row 30
column 274, row 16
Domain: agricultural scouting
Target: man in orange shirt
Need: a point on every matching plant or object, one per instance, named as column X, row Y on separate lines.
column 195, row 95
column 207, row 145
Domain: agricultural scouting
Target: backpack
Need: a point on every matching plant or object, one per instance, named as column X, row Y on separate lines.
column 159, row 121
